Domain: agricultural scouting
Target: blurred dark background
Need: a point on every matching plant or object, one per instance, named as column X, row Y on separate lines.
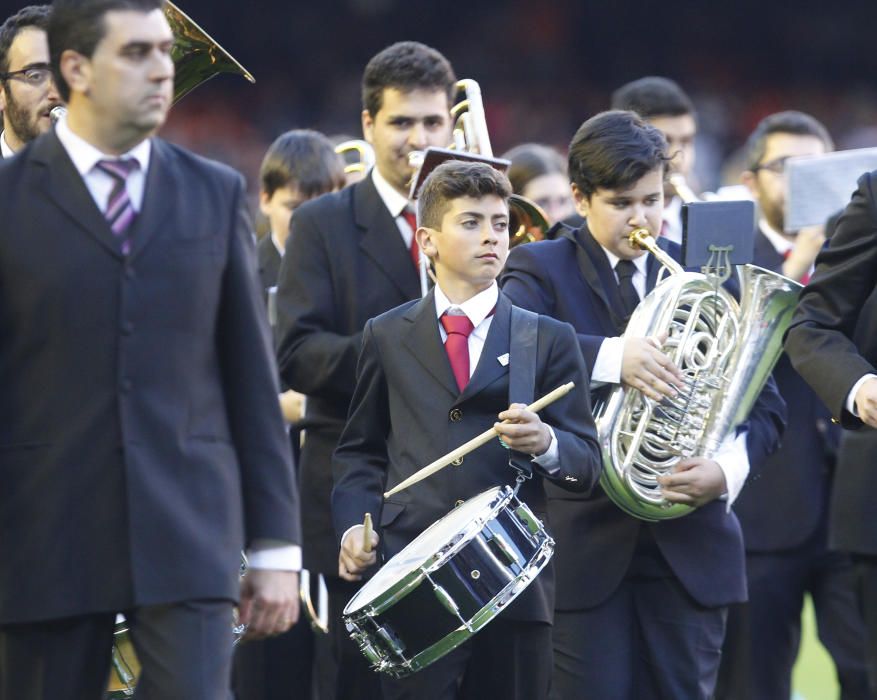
column 544, row 67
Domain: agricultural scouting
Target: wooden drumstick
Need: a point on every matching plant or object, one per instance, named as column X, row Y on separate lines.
column 367, row 533
column 475, row 442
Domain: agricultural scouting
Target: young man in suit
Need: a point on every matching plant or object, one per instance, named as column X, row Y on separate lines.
column 299, row 165
column 142, row 445
column 666, row 106
column 784, row 510
column 641, row 606
column 831, row 343
column 350, row 257
column 412, row 404
column 29, row 92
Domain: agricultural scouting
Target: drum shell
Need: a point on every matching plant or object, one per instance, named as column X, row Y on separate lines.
column 411, row 625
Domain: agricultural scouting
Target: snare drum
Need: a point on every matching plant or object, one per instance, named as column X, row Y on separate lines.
column 448, row 583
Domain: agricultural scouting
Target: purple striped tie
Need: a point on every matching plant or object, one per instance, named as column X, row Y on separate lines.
column 120, row 212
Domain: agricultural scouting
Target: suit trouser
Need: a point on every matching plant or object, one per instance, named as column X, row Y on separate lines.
column 649, row 640
column 764, row 635
column 184, row 649
column 507, row 659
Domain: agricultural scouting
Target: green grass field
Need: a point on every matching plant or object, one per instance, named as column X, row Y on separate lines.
column 813, row 677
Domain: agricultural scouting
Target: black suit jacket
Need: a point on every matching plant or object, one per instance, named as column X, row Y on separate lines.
column 570, row 279
column 141, row 445
column 407, row 411
column 269, row 260
column 797, row 477
column 345, row 263
column 832, row 342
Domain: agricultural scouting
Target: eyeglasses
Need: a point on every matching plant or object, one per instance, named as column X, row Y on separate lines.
column 777, row 166
column 35, row 76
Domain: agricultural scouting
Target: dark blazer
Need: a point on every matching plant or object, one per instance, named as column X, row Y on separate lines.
column 832, row 343
column 407, row 411
column 141, row 444
column 571, row 280
column 797, row 477
column 345, row 263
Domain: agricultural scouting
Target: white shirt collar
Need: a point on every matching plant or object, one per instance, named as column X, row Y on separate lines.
column 477, row 308
column 5, row 148
column 781, row 244
column 85, row 156
column 394, row 201
column 640, row 262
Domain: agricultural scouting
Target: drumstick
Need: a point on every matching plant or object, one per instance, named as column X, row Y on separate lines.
column 367, row 533
column 475, row 443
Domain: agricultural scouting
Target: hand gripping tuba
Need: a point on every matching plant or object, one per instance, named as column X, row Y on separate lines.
column 726, row 351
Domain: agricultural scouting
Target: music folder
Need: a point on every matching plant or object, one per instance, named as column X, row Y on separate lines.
column 433, row 157
column 717, row 231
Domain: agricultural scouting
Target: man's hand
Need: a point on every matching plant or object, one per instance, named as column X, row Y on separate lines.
column 808, row 243
column 646, row 368
column 269, row 602
column 353, row 560
column 695, row 482
column 866, row 402
column 524, row 431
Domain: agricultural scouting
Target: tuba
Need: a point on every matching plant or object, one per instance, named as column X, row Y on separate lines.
column 726, row 350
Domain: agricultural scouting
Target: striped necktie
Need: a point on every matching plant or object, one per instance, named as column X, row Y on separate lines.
column 120, row 213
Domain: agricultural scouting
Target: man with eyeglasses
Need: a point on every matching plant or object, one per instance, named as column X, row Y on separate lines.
column 784, row 513
column 28, row 93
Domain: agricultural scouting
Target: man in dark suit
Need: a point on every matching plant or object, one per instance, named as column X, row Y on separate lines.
column 29, row 91
column 414, row 402
column 784, row 509
column 349, row 259
column 833, row 345
column 299, row 165
column 142, row 446
column 640, row 609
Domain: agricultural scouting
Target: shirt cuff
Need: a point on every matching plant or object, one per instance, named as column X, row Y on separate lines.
column 851, row 397
column 607, row 366
column 549, row 461
column 733, row 460
column 274, row 554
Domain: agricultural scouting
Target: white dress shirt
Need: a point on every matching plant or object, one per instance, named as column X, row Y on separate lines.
column 5, row 148
column 263, row 554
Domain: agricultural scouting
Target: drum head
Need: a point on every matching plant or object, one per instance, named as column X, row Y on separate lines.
column 426, row 545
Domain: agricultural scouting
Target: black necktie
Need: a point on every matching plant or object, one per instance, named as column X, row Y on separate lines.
column 626, row 269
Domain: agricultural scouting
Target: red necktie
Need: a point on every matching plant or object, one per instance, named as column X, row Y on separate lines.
column 411, row 218
column 805, row 278
column 458, row 329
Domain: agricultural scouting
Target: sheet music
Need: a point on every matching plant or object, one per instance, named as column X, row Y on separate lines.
column 819, row 186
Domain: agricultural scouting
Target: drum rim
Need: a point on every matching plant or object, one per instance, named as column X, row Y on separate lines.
column 414, row 577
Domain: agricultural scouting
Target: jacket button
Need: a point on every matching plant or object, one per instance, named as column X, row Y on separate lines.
column 127, row 328
column 456, row 415
column 127, row 385
column 457, row 462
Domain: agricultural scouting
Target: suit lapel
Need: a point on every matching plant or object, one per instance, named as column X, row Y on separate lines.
column 159, row 197
column 497, row 343
column 424, row 342
column 65, row 187
column 381, row 240
column 596, row 272
column 765, row 255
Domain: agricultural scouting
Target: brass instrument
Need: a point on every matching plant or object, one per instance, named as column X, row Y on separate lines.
column 196, row 55
column 364, row 156
column 680, row 185
column 527, row 221
column 726, row 351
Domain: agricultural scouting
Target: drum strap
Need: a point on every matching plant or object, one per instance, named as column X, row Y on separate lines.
column 522, row 372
